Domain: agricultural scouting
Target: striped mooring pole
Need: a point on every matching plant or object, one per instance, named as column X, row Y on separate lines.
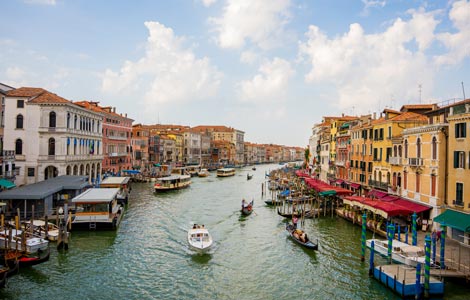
column 390, row 234
column 443, row 245
column 414, row 233
column 427, row 265
column 371, row 259
column 418, row 282
column 363, row 237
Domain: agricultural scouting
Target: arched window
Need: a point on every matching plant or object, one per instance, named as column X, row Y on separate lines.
column 75, row 122
column 434, row 148
column 19, row 147
column 399, row 151
column 418, row 148
column 395, row 152
column 406, row 148
column 51, row 148
column 52, row 119
column 19, row 122
column 68, row 120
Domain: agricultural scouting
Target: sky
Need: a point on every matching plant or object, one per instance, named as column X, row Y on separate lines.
column 271, row 68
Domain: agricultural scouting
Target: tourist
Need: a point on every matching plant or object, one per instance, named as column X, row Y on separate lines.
column 294, row 221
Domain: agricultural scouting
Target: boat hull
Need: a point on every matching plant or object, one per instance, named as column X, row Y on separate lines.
column 199, row 240
column 309, row 244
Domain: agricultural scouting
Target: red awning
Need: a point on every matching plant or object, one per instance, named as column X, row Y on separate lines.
column 355, row 185
column 412, row 206
column 339, row 181
column 377, row 194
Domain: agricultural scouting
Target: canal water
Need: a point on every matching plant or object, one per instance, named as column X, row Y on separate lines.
column 252, row 258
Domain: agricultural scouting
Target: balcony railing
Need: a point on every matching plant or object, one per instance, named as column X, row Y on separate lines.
column 415, row 161
column 378, row 184
column 394, row 160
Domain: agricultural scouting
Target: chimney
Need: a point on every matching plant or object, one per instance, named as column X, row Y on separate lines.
column 342, row 114
column 114, row 109
column 375, row 116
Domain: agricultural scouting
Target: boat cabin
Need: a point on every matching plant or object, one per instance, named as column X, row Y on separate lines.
column 122, row 183
column 225, row 172
column 97, row 208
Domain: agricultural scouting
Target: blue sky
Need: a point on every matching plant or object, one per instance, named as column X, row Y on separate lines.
column 271, row 68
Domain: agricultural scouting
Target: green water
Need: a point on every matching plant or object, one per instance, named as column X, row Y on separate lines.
column 252, row 258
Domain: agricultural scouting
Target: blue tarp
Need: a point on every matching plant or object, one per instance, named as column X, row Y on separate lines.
column 132, row 172
column 285, row 193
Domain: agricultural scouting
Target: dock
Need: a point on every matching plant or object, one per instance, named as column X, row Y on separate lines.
column 402, row 280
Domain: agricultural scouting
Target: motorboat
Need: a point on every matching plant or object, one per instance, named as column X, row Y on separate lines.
column 225, row 172
column 173, row 182
column 401, row 252
column 203, row 173
column 199, row 238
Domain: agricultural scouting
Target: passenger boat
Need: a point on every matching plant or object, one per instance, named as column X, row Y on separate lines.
column 118, row 182
column 199, row 238
column 248, row 176
column 193, row 170
column 300, row 237
column 21, row 242
column 247, row 208
column 97, row 209
column 203, row 173
column 225, row 172
column 172, row 182
column 401, row 252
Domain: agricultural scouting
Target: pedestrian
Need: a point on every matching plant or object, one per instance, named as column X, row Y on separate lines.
column 438, row 235
column 434, row 235
column 294, row 221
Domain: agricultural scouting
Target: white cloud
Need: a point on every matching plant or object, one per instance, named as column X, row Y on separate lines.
column 14, row 73
column 167, row 72
column 457, row 43
column 261, row 22
column 368, row 68
column 270, row 85
column 208, row 3
column 41, row 2
column 370, row 4
column 248, row 57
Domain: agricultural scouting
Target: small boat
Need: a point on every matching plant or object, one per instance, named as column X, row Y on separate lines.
column 20, row 241
column 273, row 202
column 247, row 208
column 248, row 176
column 225, row 172
column 39, row 229
column 34, row 259
column 300, row 237
column 173, row 182
column 297, row 213
column 203, row 173
column 199, row 238
column 254, row 168
column 401, row 252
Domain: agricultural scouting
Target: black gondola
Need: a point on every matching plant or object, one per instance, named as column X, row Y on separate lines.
column 248, row 176
column 307, row 244
column 273, row 202
column 31, row 260
column 308, row 214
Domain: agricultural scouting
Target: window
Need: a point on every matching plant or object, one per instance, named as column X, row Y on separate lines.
column 52, row 119
column 460, row 130
column 19, row 147
column 433, row 185
column 434, row 148
column 19, row 122
column 51, row 148
column 417, row 182
column 405, row 180
column 459, row 193
column 390, row 132
column 418, row 148
column 20, row 103
column 459, row 160
column 30, row 172
column 68, row 120
column 75, row 122
column 406, row 148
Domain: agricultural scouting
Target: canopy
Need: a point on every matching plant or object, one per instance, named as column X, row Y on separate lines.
column 321, row 186
column 7, row 184
column 454, row 219
column 157, row 165
column 377, row 194
column 377, row 206
column 355, row 185
column 413, row 206
column 327, row 193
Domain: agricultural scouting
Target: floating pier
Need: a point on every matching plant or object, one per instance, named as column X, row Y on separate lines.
column 403, row 280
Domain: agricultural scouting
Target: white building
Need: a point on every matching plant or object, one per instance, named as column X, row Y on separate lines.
column 192, row 147
column 51, row 136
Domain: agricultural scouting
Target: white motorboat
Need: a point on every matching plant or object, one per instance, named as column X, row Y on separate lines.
column 203, row 173
column 199, row 238
column 401, row 252
column 21, row 242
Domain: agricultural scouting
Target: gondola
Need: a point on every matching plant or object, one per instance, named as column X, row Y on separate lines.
column 248, row 176
column 308, row 244
column 254, row 168
column 289, row 215
column 34, row 259
column 247, row 208
column 271, row 202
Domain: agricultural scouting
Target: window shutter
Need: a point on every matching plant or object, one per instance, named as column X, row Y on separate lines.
column 456, row 159
column 456, row 130
column 464, row 129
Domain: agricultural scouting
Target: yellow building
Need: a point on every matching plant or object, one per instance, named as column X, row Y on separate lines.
column 457, row 213
column 385, row 131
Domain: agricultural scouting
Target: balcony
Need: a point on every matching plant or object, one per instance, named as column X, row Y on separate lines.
column 340, row 163
column 116, row 154
column 394, row 160
column 415, row 161
column 378, row 184
column 116, row 137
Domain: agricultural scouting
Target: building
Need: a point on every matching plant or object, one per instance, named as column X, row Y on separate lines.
column 117, row 131
column 7, row 158
column 51, row 136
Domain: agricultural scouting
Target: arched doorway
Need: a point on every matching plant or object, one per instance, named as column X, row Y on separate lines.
column 50, row 172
